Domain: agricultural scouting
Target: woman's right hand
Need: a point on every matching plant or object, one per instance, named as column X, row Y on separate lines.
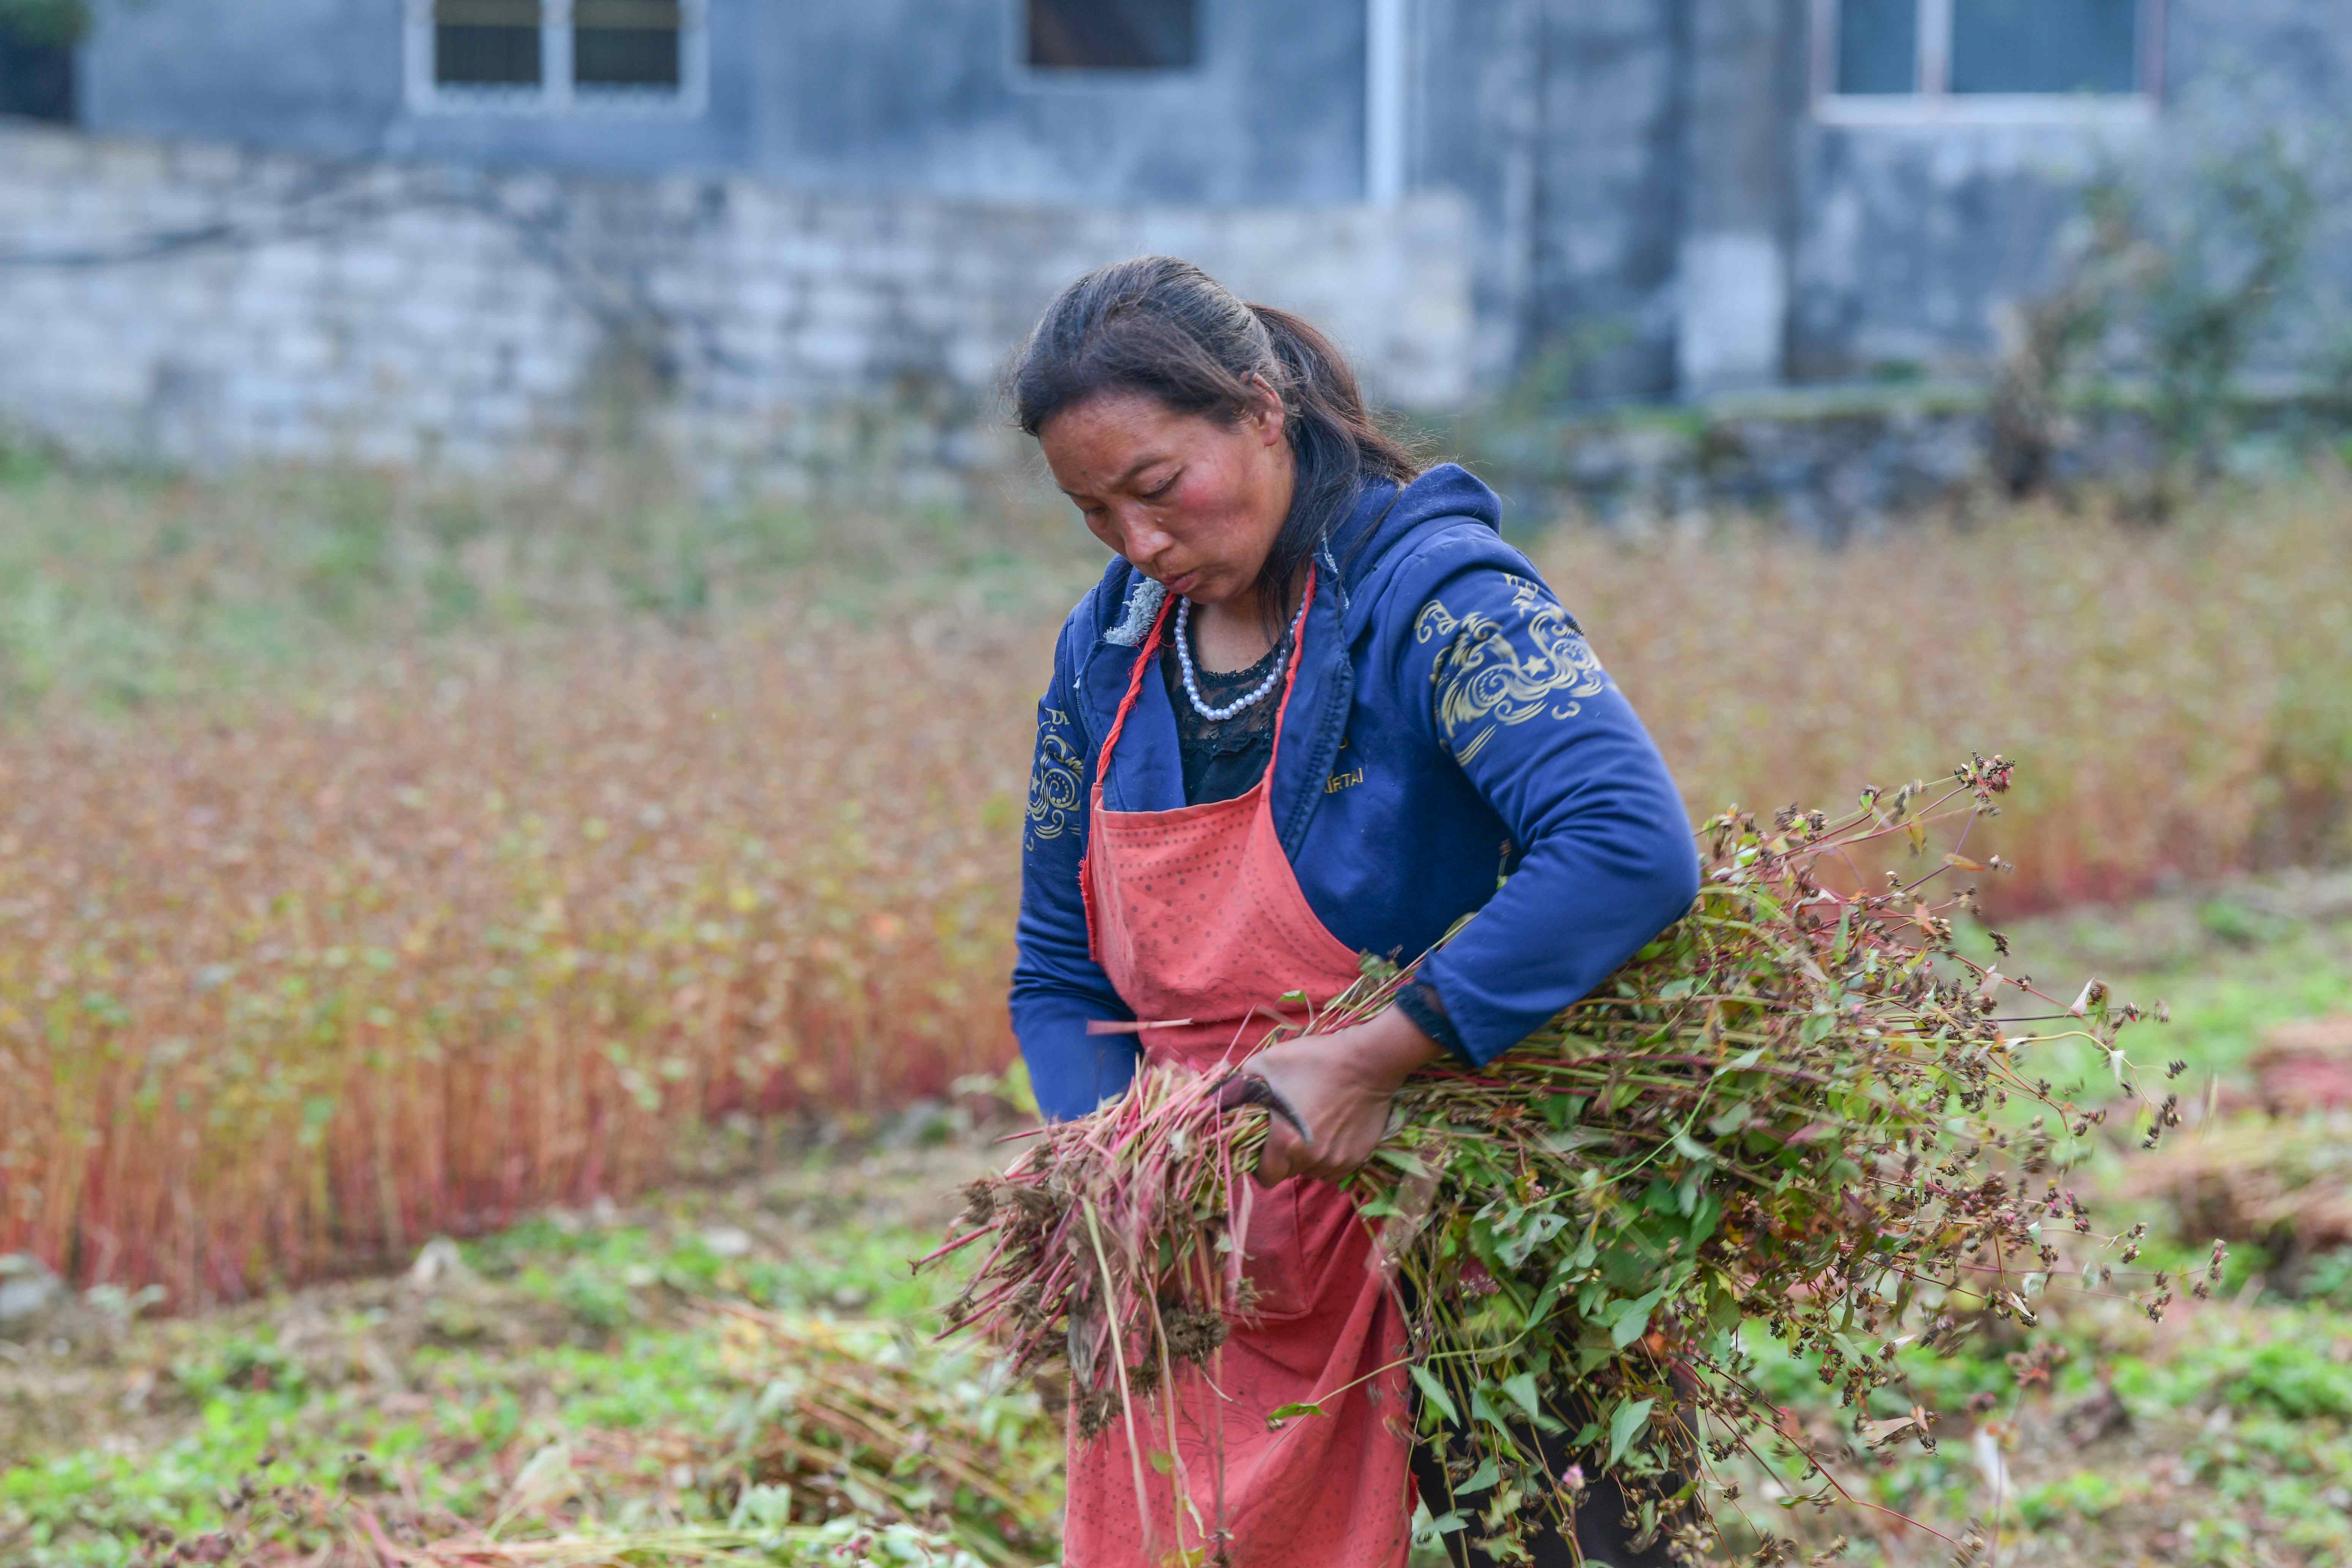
column 1340, row 1086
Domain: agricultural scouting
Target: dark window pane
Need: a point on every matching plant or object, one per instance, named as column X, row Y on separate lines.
column 626, row 44
column 2044, row 46
column 1113, row 35
column 625, row 56
column 1879, row 46
column 486, row 43
column 37, row 77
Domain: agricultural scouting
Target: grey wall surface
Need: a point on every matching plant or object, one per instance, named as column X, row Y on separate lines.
column 928, row 95
column 920, row 96
column 1662, row 210
column 1915, row 241
column 326, row 77
column 1657, row 208
column 1747, row 85
column 1562, row 120
column 408, row 313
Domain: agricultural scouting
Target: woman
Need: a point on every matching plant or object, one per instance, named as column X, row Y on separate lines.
column 1315, row 709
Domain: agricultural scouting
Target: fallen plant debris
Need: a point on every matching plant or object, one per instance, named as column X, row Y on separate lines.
column 356, row 1535
column 2285, row 1187
column 1791, row 1113
column 854, row 1442
column 865, row 1419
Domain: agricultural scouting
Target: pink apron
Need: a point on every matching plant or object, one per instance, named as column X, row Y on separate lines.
column 1194, row 913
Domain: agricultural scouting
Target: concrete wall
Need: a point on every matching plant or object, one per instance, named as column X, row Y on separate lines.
column 928, row 95
column 327, row 78
column 1664, row 212
column 1658, row 209
column 1563, row 121
column 924, row 96
column 1912, row 241
column 194, row 302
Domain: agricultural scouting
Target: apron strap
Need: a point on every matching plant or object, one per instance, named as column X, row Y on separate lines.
column 1134, row 684
column 1290, row 677
column 1143, row 659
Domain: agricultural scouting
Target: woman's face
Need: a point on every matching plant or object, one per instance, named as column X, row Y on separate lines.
column 1191, row 502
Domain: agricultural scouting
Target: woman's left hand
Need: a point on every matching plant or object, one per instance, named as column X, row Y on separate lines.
column 1339, row 1085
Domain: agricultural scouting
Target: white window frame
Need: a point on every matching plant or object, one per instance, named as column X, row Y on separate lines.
column 1933, row 102
column 557, row 94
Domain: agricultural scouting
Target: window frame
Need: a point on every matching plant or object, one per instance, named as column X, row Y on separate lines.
column 558, row 94
column 1079, row 79
column 1932, row 102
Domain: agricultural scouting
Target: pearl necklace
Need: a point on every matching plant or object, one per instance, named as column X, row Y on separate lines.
column 1192, row 687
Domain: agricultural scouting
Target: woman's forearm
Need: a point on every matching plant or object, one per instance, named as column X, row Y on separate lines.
column 1391, row 1048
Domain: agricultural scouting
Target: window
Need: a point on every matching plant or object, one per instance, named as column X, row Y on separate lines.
column 2044, row 46
column 488, row 44
column 37, row 69
column 556, row 54
column 1112, row 35
column 1879, row 46
column 1878, row 60
column 627, row 45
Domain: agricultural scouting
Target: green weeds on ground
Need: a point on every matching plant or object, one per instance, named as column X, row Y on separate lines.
column 655, row 1377
column 123, row 589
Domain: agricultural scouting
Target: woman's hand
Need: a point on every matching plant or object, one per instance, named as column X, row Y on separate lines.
column 1340, row 1085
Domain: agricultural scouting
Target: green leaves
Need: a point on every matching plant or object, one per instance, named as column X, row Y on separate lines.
column 1519, row 1231
column 1434, row 1391
column 1626, row 1425
column 1629, row 1320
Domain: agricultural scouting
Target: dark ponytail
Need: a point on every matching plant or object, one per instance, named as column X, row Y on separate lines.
column 1164, row 328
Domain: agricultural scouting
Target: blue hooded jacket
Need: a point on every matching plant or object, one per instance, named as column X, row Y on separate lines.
column 1449, row 728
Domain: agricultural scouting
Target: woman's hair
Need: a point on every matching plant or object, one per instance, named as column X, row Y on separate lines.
column 1164, row 328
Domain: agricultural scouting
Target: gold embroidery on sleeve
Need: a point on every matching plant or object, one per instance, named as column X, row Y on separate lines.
column 1055, row 790
column 1490, row 676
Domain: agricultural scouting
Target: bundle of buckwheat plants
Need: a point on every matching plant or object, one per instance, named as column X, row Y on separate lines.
column 1802, row 1111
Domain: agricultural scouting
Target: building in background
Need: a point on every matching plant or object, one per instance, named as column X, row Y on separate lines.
column 1664, row 198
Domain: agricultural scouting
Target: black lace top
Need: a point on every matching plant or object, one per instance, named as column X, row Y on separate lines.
column 1222, row 757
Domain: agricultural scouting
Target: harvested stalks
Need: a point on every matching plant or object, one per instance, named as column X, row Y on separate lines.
column 1795, row 1112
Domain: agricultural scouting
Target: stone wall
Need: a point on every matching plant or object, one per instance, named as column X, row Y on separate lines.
column 191, row 302
column 1834, row 463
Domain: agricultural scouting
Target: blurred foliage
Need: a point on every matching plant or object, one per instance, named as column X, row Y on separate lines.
column 381, row 856
column 2179, row 704
column 416, row 956
column 121, row 588
column 2179, row 271
column 2227, row 1444
column 57, row 24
